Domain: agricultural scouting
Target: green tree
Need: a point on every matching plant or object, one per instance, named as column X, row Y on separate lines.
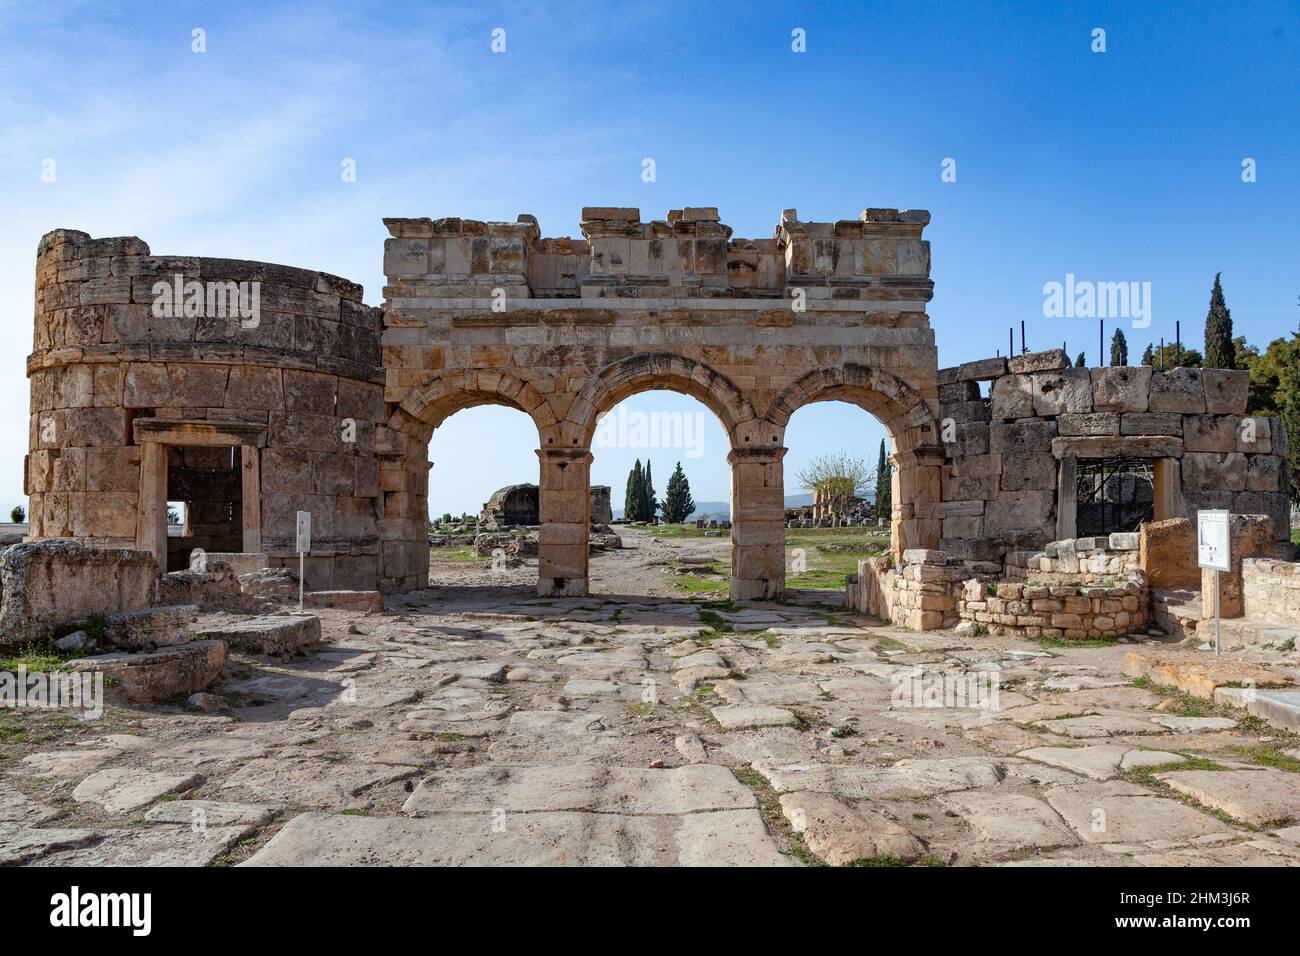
column 1288, row 400
column 1219, row 349
column 649, row 504
column 678, row 504
column 1081, row 361
column 884, row 487
column 633, row 496
column 1118, row 348
column 1149, row 356
column 18, row 515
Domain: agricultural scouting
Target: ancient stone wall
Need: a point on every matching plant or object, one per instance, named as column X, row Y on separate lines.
column 1066, row 611
column 1271, row 591
column 126, row 386
column 1078, row 561
column 919, row 591
column 565, row 328
column 1012, row 454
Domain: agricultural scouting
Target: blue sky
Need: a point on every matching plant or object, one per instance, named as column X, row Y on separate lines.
column 1115, row 166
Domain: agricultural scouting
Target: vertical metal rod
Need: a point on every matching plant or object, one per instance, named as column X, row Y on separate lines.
column 1011, row 341
column 1101, row 342
column 1023, row 350
column 1178, row 344
column 1216, row 612
column 300, row 580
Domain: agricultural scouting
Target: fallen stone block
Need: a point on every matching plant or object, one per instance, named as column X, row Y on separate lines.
column 275, row 635
column 166, row 672
column 346, row 600
column 52, row 583
column 123, row 789
column 150, row 628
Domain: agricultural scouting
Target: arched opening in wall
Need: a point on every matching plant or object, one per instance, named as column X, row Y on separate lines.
column 681, row 546
column 839, row 493
column 483, row 499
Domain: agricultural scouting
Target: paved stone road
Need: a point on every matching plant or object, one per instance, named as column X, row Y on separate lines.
column 472, row 726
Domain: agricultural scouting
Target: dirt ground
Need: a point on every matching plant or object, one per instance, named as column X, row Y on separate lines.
column 474, row 723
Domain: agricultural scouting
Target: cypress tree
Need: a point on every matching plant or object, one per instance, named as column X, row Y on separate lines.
column 1118, row 348
column 1220, row 352
column 678, row 503
column 1149, row 356
column 632, row 499
column 1080, row 362
column 884, row 487
column 648, row 503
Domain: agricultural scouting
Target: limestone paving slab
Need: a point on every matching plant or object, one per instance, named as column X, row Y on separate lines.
column 123, row 789
column 1260, row 797
column 1118, row 812
column 721, row 838
column 529, row 789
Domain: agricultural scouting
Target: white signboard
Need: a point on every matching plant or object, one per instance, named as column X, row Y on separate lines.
column 1212, row 540
column 304, row 532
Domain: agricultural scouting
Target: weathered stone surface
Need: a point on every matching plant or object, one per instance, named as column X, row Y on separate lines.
column 166, row 672
column 1117, row 812
column 1009, row 822
column 50, row 583
column 723, row 838
column 689, row 789
column 211, row 813
column 840, row 833
column 276, row 635
column 150, row 628
column 23, row 844
column 1121, row 389
column 121, row 790
column 1167, row 553
column 1100, row 761
column 1198, row 673
column 1065, row 392
column 1261, row 797
column 740, row 716
column 353, row 600
column 1178, row 390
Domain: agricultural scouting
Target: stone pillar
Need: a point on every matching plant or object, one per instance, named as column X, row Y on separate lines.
column 1250, row 536
column 251, row 463
column 403, row 522
column 151, row 514
column 917, row 490
column 1067, row 501
column 757, row 523
column 564, row 512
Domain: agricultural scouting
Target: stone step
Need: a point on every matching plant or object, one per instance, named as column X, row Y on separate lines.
column 150, row 627
column 1198, row 672
column 156, row 675
column 1280, row 708
column 275, row 635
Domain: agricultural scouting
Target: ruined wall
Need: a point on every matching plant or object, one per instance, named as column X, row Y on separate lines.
column 1010, row 455
column 565, row 328
column 1071, row 612
column 106, row 370
column 1271, row 591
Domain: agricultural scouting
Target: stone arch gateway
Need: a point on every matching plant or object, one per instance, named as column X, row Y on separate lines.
column 565, row 328
column 329, row 404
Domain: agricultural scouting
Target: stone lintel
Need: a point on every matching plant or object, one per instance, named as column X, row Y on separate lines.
column 199, row 433
column 1110, row 446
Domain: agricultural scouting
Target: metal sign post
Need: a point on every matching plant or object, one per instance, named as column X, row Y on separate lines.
column 1213, row 551
column 304, row 545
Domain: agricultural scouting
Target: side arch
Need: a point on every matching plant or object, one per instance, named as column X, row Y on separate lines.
column 427, row 407
column 909, row 418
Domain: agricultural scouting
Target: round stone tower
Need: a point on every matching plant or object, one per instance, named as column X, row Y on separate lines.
column 239, row 392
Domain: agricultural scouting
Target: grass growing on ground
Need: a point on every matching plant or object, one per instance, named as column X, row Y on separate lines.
column 36, row 658
column 831, row 554
column 1269, row 757
column 455, row 555
column 1189, row 705
column 1060, row 642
